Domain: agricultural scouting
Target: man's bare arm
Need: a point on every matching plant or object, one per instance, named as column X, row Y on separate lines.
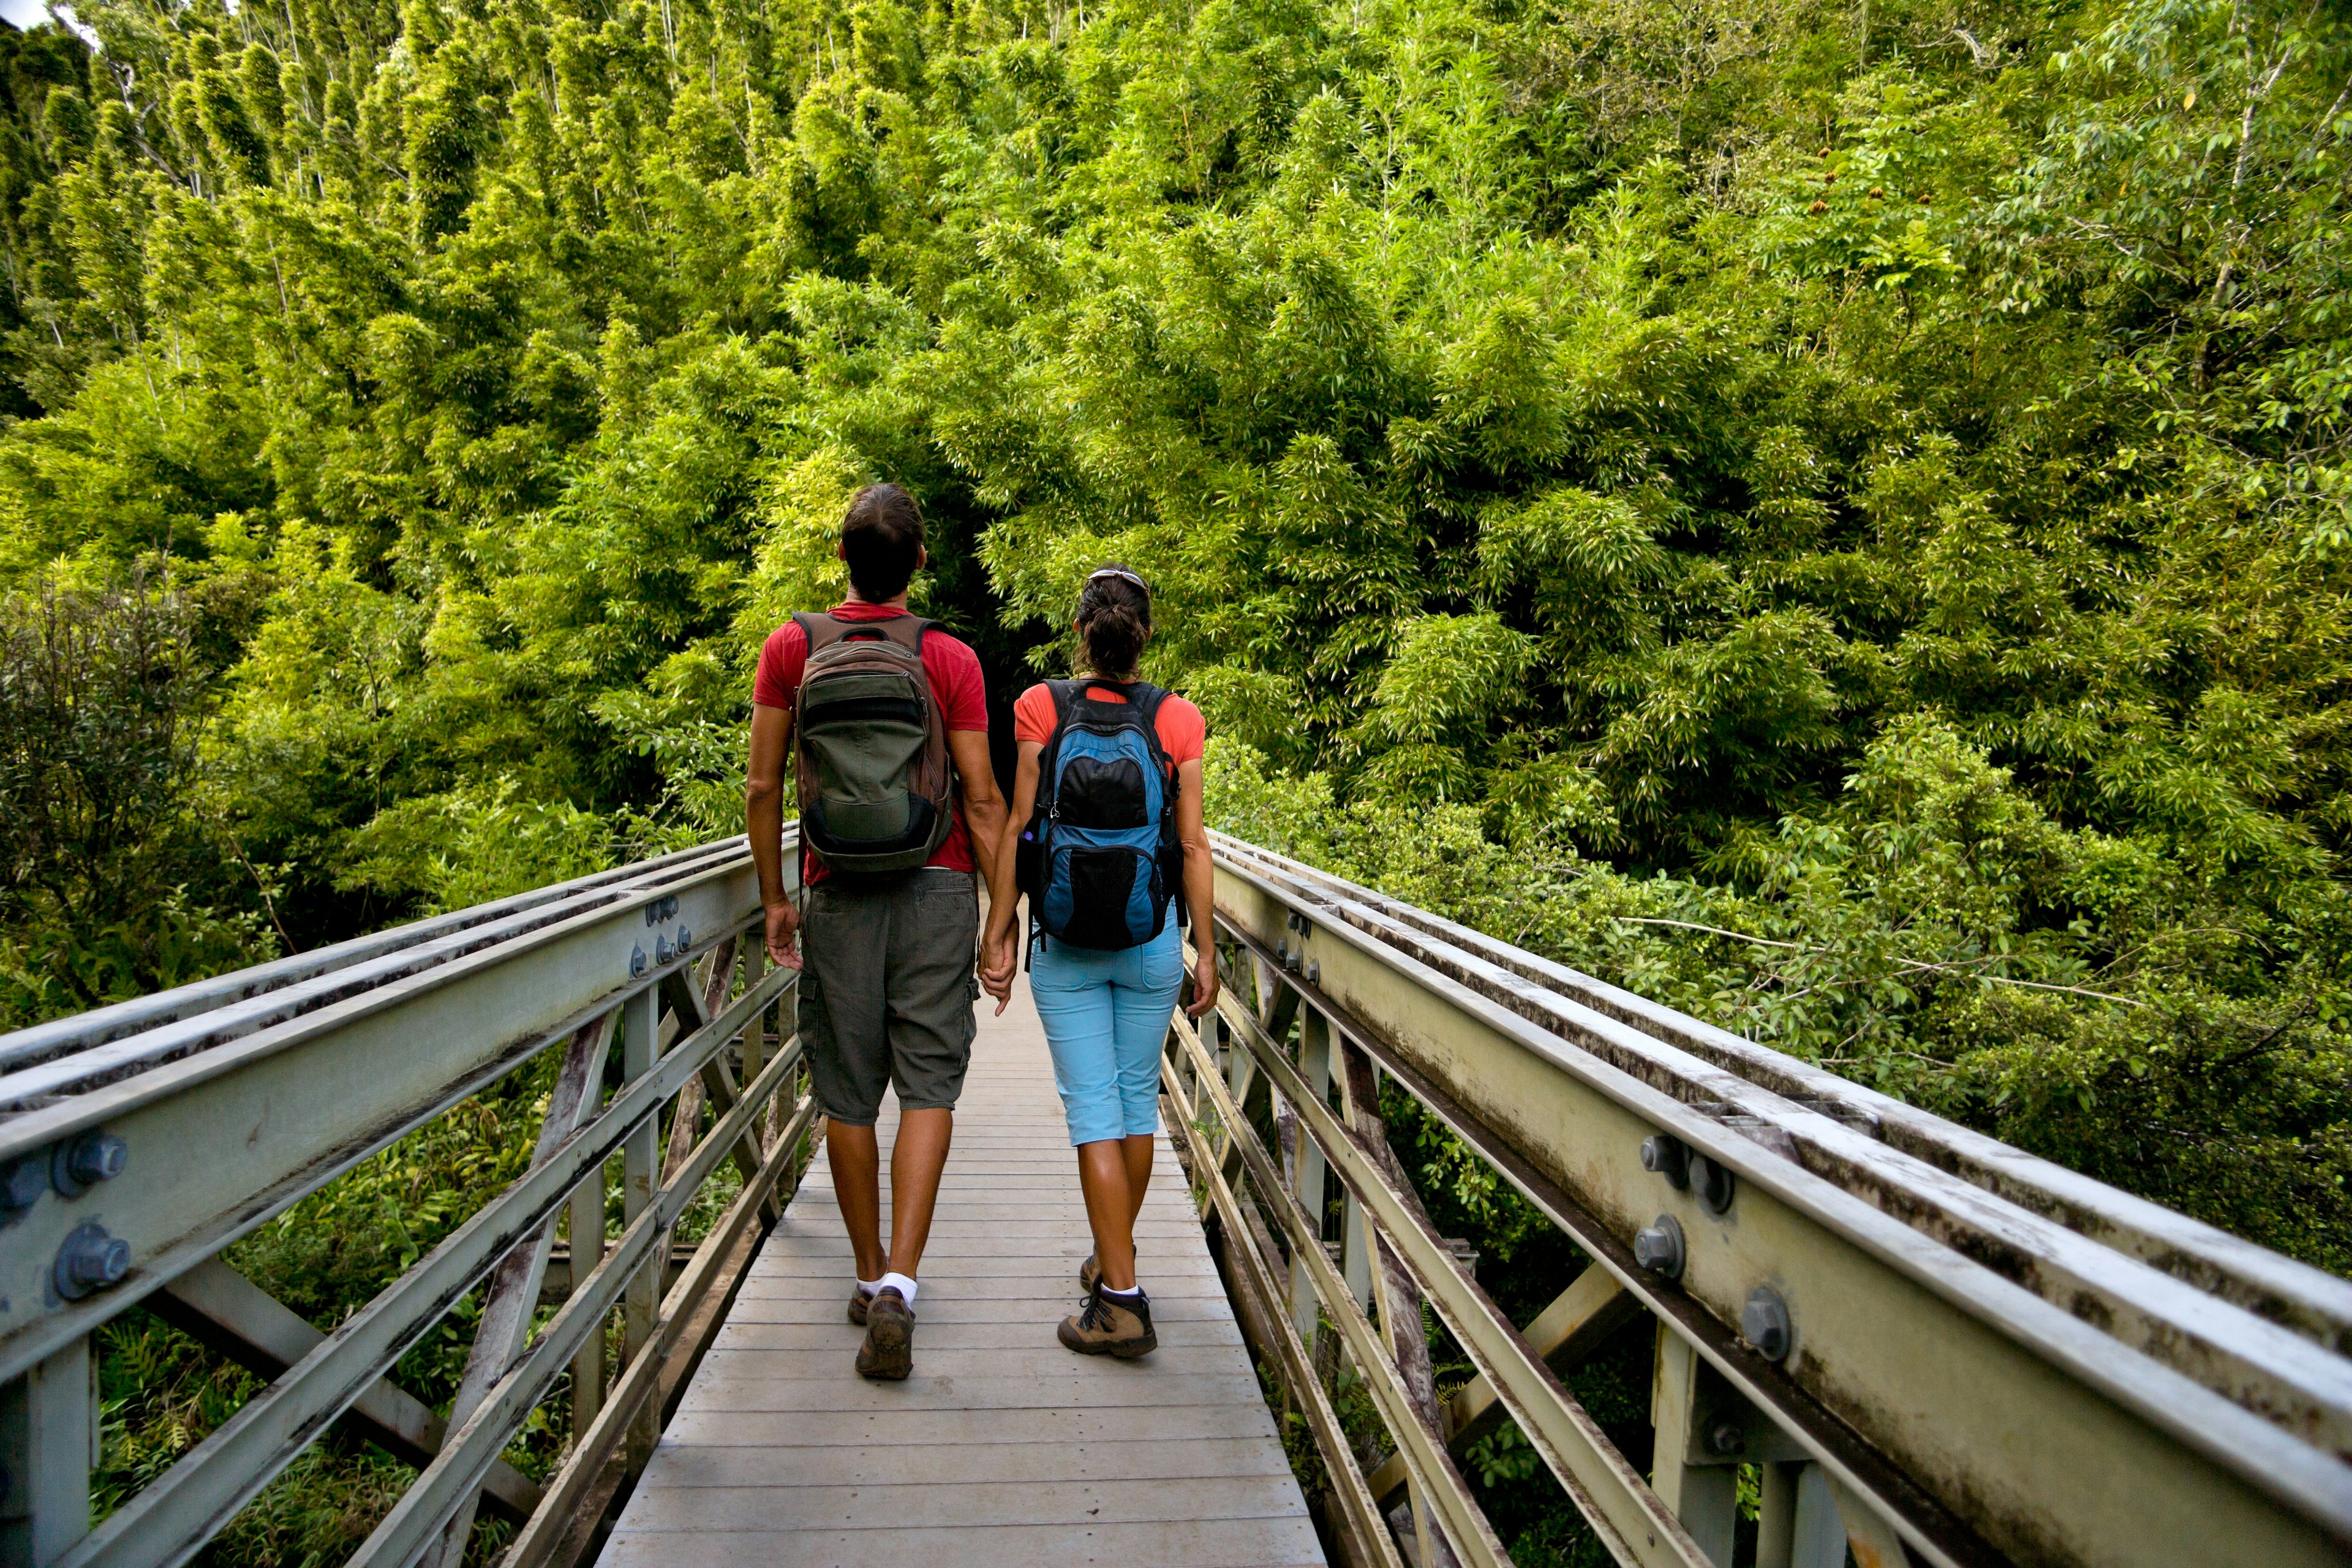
column 984, row 813
column 763, row 820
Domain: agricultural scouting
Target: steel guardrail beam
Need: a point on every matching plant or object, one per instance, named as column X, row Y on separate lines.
column 222, row 1139
column 102, row 1025
column 1919, row 1375
column 34, row 1087
column 2261, row 1366
column 182, row 1508
column 2277, row 1289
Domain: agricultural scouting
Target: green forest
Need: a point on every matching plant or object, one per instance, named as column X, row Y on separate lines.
column 1835, row 514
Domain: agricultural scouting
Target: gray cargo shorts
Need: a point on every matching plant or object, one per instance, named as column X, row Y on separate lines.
column 886, row 991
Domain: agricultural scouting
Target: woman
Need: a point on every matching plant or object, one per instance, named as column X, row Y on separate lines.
column 1105, row 1001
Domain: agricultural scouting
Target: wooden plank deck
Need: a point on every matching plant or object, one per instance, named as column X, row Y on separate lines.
column 1002, row 1447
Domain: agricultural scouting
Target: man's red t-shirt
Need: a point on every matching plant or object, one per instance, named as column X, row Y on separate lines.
column 957, row 686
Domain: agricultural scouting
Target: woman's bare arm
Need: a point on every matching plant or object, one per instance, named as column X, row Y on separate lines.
column 1200, row 887
column 999, row 953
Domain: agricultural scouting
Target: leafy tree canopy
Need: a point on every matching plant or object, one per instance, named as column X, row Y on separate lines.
column 1835, row 516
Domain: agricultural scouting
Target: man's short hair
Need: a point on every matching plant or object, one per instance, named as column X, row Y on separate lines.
column 882, row 539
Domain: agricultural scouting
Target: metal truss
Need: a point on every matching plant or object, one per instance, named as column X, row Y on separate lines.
column 142, row 1138
column 1933, row 1349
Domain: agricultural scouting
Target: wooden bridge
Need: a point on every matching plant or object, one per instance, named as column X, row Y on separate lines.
column 1896, row 1339
column 1002, row 1447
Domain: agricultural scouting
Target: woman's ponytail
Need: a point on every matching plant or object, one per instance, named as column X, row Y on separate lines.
column 1114, row 621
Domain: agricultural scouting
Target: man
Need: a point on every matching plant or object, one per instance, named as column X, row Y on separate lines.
column 886, row 991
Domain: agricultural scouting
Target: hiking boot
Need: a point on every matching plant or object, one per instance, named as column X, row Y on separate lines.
column 888, row 1352
column 858, row 1300
column 1109, row 1326
column 1088, row 1272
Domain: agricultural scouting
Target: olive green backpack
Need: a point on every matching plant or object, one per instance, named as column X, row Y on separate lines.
column 876, row 788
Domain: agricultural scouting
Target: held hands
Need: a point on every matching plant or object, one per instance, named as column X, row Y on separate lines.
column 784, row 931
column 1000, row 955
column 1000, row 959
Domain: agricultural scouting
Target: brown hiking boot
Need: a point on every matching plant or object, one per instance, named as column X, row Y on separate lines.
column 1109, row 1326
column 1088, row 1272
column 858, row 1300
column 888, row 1352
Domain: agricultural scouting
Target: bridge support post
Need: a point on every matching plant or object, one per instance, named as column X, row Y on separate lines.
column 1798, row 1523
column 640, row 1173
column 48, row 1441
column 1241, row 1071
column 585, row 1227
column 1359, row 1100
column 1704, row 1495
column 755, row 1033
column 1399, row 1312
column 1315, row 1067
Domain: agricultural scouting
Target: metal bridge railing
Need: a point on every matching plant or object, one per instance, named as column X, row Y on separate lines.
column 139, row 1139
column 1932, row 1347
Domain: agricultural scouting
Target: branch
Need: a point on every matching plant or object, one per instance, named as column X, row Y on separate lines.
column 2029, row 985
column 1910, row 964
column 1714, row 931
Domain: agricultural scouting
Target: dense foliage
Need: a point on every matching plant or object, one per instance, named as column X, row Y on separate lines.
column 1834, row 516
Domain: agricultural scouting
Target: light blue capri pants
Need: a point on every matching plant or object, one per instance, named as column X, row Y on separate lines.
column 1106, row 1017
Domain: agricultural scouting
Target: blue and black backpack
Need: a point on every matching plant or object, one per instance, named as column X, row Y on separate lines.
column 1100, row 860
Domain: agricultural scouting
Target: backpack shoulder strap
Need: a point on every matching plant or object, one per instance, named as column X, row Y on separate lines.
column 1147, row 698
column 821, row 629
column 907, row 631
column 1063, row 693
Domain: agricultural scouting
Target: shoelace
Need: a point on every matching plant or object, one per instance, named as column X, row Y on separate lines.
column 1097, row 1312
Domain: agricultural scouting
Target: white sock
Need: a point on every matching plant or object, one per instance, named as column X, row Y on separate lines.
column 905, row 1285
column 867, row 1287
column 1129, row 1294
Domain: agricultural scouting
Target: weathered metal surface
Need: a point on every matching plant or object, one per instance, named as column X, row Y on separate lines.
column 221, row 1140
column 1985, row 1420
column 2263, row 1366
column 229, row 1315
column 48, row 1437
column 512, row 1295
column 1360, row 1521
column 279, row 981
column 2274, row 1288
column 1609, row 1491
column 1591, row 1309
column 187, row 1504
column 417, row 1521
column 1432, row 1470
